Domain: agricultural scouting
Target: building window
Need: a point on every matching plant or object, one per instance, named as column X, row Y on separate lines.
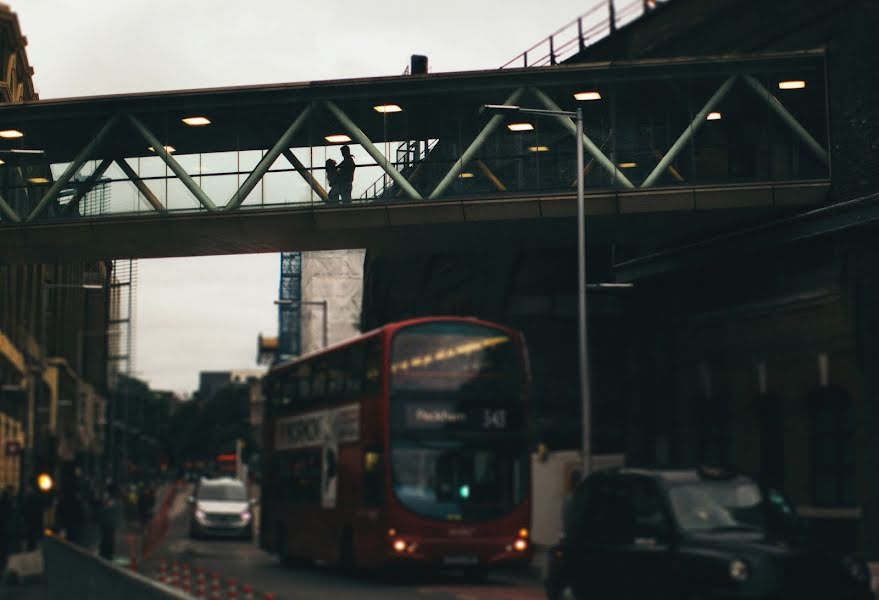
column 716, row 433
column 833, row 447
column 771, row 441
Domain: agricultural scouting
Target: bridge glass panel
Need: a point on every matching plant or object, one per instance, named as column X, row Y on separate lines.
column 650, row 129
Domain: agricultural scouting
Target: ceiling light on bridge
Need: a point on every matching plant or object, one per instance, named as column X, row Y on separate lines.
column 791, row 84
column 520, row 127
column 10, row 134
column 38, row 180
column 713, row 116
column 466, row 175
column 387, row 108
column 168, row 149
column 2, row 162
column 587, row 96
column 196, row 121
column 337, row 138
column 538, row 148
column 628, row 165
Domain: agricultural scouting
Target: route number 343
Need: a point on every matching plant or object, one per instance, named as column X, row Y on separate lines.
column 494, row 419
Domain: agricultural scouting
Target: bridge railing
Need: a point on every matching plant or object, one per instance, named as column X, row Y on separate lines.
column 673, row 124
column 595, row 24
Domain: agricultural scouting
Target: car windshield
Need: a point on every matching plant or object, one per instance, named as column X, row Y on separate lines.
column 718, row 506
column 231, row 492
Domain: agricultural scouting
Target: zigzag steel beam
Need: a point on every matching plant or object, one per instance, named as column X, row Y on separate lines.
column 7, row 210
column 88, row 184
column 791, row 121
column 140, row 185
column 169, row 160
column 688, row 133
column 267, row 161
column 588, row 144
column 374, row 152
column 306, row 174
column 474, row 147
column 72, row 168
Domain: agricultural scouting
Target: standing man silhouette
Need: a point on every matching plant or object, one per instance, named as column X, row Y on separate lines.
column 345, row 172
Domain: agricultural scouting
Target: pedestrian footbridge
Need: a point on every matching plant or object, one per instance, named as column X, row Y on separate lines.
column 672, row 147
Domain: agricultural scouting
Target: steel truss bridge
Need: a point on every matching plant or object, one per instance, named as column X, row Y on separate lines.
column 674, row 147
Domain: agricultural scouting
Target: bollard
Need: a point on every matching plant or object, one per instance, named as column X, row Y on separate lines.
column 163, row 571
column 247, row 590
column 232, row 592
column 215, row 588
column 269, row 596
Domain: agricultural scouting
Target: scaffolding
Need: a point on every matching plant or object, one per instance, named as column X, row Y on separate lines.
column 290, row 306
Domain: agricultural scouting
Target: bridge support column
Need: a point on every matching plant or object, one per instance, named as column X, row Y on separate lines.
column 268, row 160
column 689, row 132
column 474, row 147
column 179, row 171
column 588, row 144
column 374, row 152
column 72, row 168
column 140, row 185
column 788, row 119
column 8, row 211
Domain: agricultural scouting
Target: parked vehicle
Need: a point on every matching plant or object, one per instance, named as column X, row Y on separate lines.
column 696, row 534
column 220, row 507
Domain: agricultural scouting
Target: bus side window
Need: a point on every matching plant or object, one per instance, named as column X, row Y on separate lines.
column 354, row 371
column 373, row 366
column 373, row 488
column 303, row 381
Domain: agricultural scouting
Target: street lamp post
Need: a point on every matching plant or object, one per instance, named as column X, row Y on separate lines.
column 585, row 400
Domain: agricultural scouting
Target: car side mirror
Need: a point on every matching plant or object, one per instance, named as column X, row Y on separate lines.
column 190, row 500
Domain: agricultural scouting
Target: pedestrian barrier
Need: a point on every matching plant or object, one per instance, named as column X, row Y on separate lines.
column 158, row 526
column 72, row 572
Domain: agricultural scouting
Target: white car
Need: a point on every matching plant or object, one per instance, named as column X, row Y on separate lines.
column 220, row 507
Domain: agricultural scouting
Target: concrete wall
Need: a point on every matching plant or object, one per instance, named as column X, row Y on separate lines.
column 550, row 483
column 337, row 278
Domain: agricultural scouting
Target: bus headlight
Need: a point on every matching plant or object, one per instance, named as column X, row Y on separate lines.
column 200, row 515
column 399, row 545
column 245, row 516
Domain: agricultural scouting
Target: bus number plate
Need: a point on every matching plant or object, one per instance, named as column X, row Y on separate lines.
column 460, row 561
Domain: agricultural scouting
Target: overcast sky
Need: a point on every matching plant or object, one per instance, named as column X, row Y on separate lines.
column 205, row 313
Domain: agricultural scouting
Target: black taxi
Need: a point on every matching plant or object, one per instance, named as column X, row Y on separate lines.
column 693, row 535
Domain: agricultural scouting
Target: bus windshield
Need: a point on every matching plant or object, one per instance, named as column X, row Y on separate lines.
column 454, row 481
column 458, row 449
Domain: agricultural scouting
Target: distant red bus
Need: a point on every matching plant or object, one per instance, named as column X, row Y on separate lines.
column 408, row 444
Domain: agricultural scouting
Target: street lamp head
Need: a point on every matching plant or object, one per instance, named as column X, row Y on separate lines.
column 507, row 107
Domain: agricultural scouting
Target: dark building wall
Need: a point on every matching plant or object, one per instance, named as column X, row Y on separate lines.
column 534, row 291
column 845, row 28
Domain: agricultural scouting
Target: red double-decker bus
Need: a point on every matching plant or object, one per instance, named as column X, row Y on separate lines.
column 408, row 444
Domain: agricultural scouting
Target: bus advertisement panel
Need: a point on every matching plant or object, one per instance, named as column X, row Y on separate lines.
column 409, row 443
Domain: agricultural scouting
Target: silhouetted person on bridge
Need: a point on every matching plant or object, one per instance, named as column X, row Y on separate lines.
column 346, row 174
column 332, row 180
